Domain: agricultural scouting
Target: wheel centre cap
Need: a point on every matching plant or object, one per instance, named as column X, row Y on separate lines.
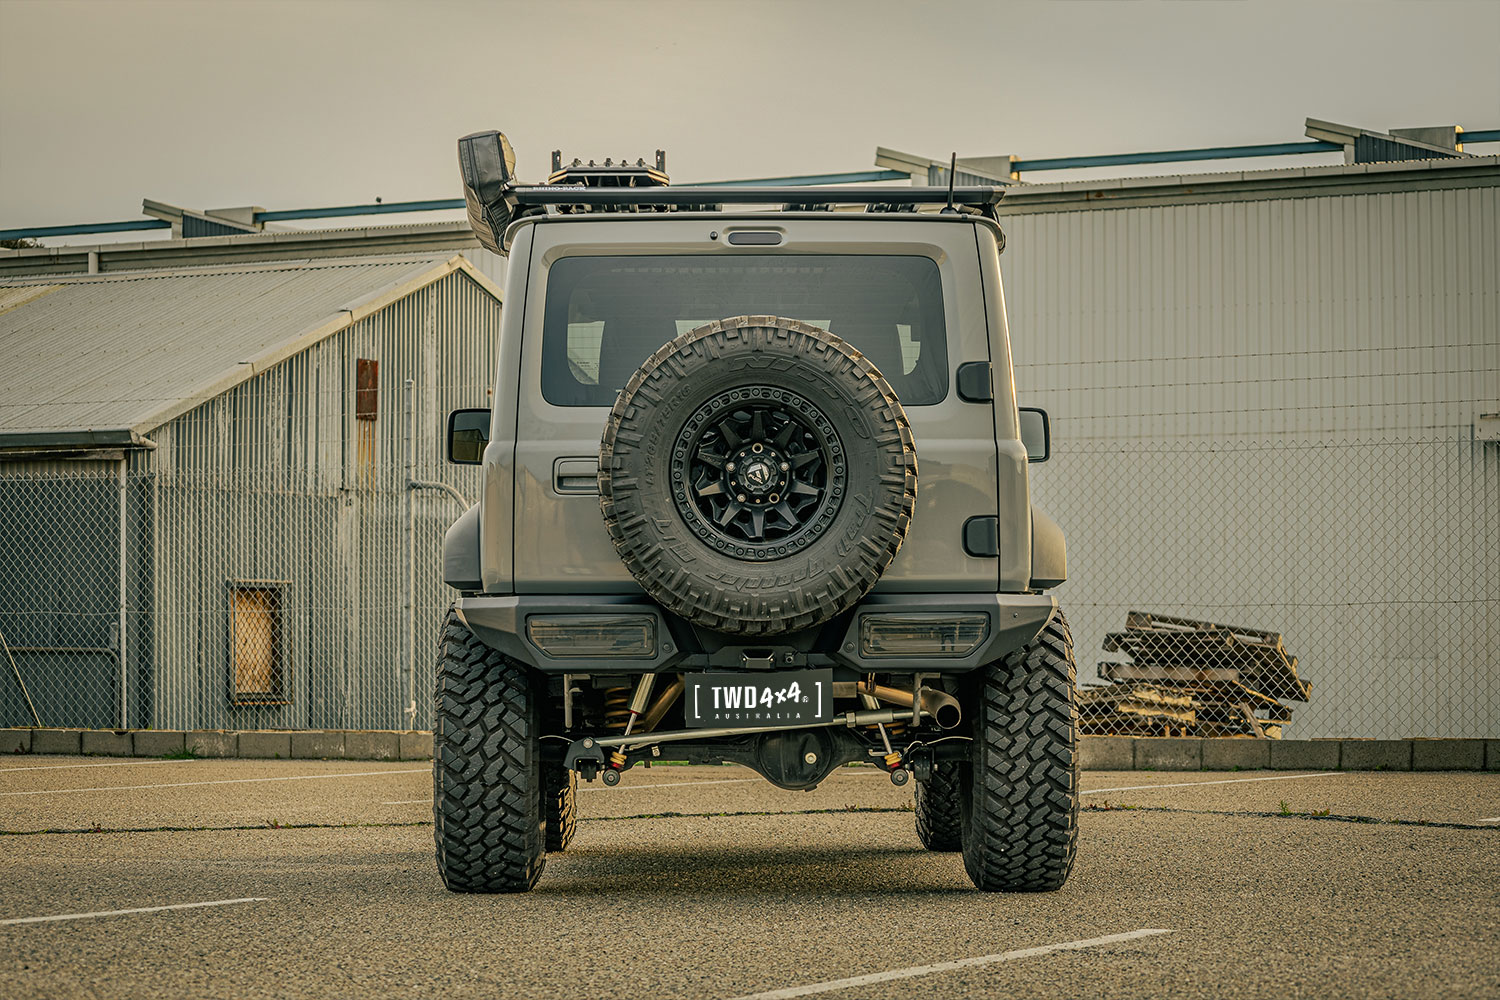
column 759, row 474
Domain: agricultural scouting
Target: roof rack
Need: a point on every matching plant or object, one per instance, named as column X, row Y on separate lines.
column 572, row 194
column 494, row 199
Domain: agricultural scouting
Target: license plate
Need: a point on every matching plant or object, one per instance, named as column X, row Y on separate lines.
column 774, row 698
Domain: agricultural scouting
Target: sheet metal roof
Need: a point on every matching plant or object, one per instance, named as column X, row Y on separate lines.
column 102, row 360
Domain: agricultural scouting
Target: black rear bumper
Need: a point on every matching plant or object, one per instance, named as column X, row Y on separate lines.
column 500, row 622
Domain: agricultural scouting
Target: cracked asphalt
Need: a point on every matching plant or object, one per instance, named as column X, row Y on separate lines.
column 698, row 882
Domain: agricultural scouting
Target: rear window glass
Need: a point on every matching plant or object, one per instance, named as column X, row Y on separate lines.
column 606, row 315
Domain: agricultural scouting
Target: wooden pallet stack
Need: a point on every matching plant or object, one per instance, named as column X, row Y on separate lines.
column 1192, row 678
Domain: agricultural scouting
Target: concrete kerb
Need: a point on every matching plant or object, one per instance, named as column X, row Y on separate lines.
column 1169, row 754
column 108, row 743
column 1096, row 753
column 1236, row 755
column 1106, row 753
column 318, row 745
column 159, row 742
column 266, row 745
column 1447, row 755
column 57, row 741
column 1304, row 755
column 1375, row 755
column 365, row 745
column 212, row 743
column 418, row 746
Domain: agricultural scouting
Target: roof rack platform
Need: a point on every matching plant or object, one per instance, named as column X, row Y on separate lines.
column 494, row 199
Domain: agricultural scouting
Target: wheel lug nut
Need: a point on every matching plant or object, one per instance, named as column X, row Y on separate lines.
column 740, row 498
column 730, row 466
column 784, row 467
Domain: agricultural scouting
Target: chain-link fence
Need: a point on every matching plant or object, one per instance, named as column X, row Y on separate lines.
column 1293, row 587
column 1285, row 587
column 199, row 585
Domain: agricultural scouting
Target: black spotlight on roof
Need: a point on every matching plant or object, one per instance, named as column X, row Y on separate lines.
column 488, row 166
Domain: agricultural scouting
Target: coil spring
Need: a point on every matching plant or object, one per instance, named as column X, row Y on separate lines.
column 616, row 707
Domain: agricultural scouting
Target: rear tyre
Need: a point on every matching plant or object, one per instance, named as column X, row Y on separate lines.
column 939, row 808
column 486, row 768
column 559, row 804
column 1020, row 810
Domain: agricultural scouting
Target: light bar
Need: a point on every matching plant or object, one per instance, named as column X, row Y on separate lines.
column 593, row 636
column 921, row 634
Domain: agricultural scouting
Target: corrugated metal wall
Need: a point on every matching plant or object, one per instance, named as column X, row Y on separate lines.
column 277, row 483
column 1263, row 415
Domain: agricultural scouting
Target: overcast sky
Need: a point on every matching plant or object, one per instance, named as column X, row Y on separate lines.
column 219, row 103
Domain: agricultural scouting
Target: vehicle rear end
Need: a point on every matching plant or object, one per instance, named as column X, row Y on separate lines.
column 755, row 492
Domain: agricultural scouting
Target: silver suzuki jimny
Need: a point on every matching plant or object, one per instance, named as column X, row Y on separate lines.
column 754, row 491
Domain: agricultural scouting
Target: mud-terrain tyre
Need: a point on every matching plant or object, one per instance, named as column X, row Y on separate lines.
column 486, row 768
column 757, row 475
column 1020, row 813
column 940, row 821
column 559, row 805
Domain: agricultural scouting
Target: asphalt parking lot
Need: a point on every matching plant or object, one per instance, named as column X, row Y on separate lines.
column 310, row 878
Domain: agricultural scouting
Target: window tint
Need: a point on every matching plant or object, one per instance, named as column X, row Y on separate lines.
column 606, row 315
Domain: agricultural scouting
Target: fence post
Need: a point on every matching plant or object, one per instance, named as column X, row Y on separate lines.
column 122, row 646
column 407, row 678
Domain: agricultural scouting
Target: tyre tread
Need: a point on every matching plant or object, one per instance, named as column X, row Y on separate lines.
column 1021, row 831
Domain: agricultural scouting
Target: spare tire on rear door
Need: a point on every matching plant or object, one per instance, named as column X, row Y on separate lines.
column 757, row 475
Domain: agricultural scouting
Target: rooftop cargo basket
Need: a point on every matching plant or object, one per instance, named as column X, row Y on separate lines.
column 495, row 199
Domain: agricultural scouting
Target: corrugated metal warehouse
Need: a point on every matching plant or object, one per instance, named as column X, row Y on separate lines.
column 206, row 489
column 1269, row 393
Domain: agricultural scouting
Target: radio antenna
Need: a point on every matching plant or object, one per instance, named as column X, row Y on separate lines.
column 952, row 174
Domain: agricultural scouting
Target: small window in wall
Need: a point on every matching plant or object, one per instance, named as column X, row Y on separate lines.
column 257, row 658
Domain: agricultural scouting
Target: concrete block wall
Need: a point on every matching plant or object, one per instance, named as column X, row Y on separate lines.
column 1097, row 753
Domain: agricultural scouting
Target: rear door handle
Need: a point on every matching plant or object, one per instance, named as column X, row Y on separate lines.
column 576, row 475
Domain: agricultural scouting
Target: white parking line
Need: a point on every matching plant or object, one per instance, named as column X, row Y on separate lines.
column 221, row 781
column 138, row 909
column 1492, row 819
column 1223, row 781
column 123, row 763
column 962, row 963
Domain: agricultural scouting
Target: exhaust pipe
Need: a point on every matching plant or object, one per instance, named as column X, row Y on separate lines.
column 940, row 706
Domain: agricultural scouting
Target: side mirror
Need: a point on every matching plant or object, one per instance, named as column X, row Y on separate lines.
column 1036, row 434
column 468, row 433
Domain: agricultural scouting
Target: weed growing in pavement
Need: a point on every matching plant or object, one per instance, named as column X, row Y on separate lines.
column 186, row 753
column 1285, row 809
column 1107, row 806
